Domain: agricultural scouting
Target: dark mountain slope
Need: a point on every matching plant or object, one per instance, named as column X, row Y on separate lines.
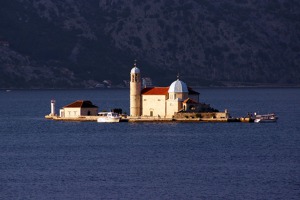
column 79, row 43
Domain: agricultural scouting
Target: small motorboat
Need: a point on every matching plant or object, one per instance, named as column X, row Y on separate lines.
column 108, row 117
column 265, row 118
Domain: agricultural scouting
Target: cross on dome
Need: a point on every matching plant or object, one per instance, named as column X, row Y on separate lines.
column 134, row 63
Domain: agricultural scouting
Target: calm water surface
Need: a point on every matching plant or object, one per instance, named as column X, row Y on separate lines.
column 44, row 159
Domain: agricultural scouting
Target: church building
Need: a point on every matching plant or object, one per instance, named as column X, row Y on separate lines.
column 160, row 101
column 79, row 108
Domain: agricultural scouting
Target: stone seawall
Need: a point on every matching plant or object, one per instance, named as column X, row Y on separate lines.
column 80, row 118
column 202, row 115
column 189, row 118
column 178, row 119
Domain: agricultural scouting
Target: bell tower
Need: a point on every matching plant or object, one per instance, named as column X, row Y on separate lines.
column 135, row 91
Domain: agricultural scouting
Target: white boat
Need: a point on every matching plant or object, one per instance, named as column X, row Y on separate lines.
column 108, row 117
column 265, row 118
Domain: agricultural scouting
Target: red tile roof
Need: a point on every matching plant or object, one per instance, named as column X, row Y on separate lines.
column 155, row 91
column 81, row 104
column 162, row 91
column 188, row 100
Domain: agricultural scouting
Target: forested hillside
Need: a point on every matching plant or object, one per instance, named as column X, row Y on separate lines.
column 78, row 43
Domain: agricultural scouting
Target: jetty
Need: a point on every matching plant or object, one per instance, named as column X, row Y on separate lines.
column 152, row 119
column 78, row 119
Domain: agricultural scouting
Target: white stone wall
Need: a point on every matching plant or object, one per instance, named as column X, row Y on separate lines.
column 155, row 104
column 72, row 112
column 222, row 115
column 181, row 96
column 173, row 106
column 77, row 112
column 62, row 113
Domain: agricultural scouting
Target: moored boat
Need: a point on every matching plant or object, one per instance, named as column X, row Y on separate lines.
column 108, row 117
column 265, row 118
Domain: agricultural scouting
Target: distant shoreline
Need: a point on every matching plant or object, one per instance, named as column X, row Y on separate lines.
column 195, row 86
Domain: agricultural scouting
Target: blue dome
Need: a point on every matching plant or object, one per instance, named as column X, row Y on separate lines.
column 135, row 70
column 178, row 86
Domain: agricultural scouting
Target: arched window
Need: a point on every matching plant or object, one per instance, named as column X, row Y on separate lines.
column 136, row 78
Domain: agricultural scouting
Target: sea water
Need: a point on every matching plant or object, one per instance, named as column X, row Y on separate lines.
column 45, row 159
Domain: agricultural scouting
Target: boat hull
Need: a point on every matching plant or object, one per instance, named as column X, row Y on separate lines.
column 108, row 120
column 109, row 117
column 268, row 118
column 265, row 120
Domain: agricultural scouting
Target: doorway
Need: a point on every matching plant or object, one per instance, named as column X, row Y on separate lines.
column 151, row 113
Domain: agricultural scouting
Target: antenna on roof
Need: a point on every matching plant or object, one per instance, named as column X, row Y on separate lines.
column 178, row 76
